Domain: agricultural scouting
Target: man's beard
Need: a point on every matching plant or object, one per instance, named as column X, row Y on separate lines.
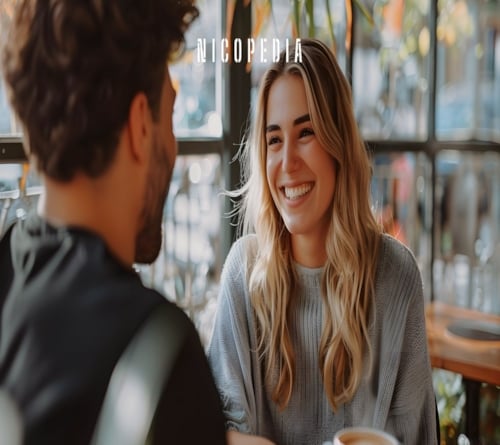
column 149, row 238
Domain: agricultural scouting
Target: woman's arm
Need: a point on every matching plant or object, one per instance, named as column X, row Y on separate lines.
column 230, row 352
column 236, row 438
column 413, row 408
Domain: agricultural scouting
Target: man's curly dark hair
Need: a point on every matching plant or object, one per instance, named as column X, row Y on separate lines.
column 72, row 68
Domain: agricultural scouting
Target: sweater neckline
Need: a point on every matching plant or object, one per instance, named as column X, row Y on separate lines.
column 310, row 277
column 304, row 270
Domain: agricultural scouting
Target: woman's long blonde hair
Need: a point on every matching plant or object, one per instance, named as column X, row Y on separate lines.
column 351, row 245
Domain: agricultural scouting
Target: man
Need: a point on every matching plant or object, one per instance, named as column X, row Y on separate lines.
column 89, row 81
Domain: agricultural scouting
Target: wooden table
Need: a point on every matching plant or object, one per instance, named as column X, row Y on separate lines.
column 477, row 360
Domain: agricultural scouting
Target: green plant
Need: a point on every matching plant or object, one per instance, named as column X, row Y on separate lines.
column 450, row 396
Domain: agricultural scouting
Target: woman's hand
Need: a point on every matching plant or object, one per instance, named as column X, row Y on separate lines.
column 236, row 438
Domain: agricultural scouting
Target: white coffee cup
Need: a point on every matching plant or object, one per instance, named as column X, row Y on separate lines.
column 363, row 436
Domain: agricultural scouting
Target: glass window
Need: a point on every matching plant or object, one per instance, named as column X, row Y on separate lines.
column 391, row 70
column 8, row 125
column 467, row 229
column 281, row 21
column 198, row 84
column 19, row 192
column 188, row 268
column 197, row 76
column 468, row 70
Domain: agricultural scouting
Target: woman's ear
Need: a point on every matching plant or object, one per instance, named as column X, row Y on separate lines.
column 140, row 127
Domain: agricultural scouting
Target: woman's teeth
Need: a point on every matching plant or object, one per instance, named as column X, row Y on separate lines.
column 297, row 192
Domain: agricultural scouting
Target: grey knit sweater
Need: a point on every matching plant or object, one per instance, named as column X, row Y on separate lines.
column 397, row 396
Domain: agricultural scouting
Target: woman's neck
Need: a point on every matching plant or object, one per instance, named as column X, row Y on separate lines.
column 309, row 251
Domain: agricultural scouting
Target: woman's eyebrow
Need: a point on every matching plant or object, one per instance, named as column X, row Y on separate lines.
column 298, row 121
column 272, row 127
column 302, row 119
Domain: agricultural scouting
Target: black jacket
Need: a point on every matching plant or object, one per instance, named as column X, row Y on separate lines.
column 68, row 310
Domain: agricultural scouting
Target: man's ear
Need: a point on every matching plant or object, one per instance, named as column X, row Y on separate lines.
column 140, row 127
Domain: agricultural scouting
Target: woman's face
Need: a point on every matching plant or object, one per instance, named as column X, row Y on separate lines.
column 300, row 173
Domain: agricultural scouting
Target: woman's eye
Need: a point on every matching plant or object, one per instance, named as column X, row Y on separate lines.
column 306, row 132
column 273, row 140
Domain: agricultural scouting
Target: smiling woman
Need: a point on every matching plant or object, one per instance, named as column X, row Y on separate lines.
column 314, row 308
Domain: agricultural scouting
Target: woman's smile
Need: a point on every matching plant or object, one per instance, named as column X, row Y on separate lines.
column 293, row 193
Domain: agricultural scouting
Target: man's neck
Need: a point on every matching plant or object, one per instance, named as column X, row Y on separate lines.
column 91, row 204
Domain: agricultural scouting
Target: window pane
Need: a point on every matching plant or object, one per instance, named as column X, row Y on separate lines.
column 467, row 230
column 198, row 84
column 19, row 192
column 6, row 119
column 275, row 21
column 390, row 70
column 197, row 79
column 468, row 70
column 189, row 265
column 8, row 125
column 401, row 197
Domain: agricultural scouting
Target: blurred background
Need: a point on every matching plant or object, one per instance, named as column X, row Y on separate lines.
column 425, row 76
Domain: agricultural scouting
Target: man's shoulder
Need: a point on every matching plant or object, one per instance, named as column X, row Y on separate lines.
column 5, row 265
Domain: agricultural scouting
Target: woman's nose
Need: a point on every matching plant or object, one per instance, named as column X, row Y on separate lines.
column 290, row 159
